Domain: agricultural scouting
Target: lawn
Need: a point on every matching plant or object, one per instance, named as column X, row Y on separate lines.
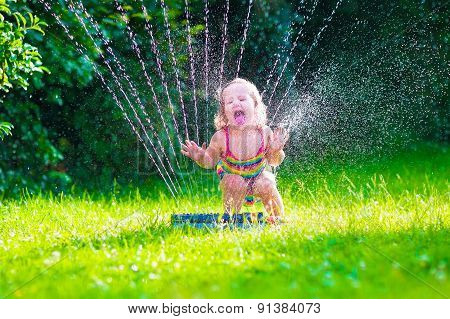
column 375, row 230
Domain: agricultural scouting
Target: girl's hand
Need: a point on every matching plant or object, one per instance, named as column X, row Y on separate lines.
column 192, row 150
column 279, row 139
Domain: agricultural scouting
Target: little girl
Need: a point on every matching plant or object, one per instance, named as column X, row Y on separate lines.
column 241, row 149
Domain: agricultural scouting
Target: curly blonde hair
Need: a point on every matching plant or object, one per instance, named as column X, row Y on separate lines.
column 220, row 120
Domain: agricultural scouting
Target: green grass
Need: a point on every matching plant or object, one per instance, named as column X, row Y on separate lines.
column 378, row 230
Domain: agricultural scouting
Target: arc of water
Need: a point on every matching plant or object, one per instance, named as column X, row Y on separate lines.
column 266, row 85
column 174, row 62
column 392, row 37
column 244, row 38
column 294, row 45
column 281, row 47
column 206, row 72
column 374, row 52
column 79, row 48
column 159, row 63
column 192, row 74
column 224, row 40
column 206, row 69
column 123, row 73
column 313, row 45
column 149, row 81
column 192, row 68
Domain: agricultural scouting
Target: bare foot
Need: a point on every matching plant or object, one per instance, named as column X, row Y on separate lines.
column 274, row 220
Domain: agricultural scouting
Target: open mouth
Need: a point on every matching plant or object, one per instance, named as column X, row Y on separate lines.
column 239, row 117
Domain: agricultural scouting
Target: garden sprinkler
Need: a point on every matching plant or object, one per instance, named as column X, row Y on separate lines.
column 195, row 220
column 243, row 220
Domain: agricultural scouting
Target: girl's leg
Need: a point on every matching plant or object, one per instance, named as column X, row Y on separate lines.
column 233, row 189
column 265, row 188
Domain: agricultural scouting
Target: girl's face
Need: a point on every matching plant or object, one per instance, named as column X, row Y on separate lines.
column 239, row 106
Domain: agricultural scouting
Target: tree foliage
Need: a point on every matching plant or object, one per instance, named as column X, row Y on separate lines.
column 18, row 59
column 5, row 129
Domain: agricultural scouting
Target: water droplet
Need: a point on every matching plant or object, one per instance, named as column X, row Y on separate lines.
column 134, row 268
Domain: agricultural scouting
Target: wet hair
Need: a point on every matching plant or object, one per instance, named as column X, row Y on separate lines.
column 220, row 120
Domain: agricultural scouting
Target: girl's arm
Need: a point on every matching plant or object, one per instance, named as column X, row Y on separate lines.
column 212, row 153
column 275, row 154
column 205, row 157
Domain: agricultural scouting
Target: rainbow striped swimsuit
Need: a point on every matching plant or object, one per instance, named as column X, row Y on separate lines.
column 249, row 169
